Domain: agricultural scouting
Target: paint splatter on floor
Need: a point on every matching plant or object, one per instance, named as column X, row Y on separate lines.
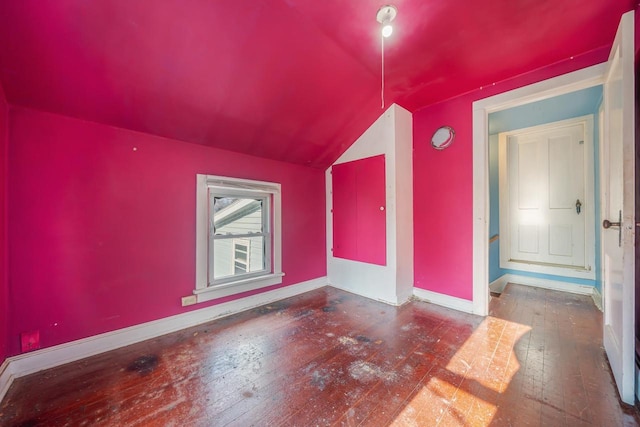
column 320, row 379
column 144, row 364
column 367, row 372
column 347, row 341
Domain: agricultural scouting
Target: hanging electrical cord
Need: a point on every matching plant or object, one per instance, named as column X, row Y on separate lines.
column 382, row 77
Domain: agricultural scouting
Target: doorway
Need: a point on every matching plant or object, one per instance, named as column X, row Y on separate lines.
column 561, row 134
column 545, row 90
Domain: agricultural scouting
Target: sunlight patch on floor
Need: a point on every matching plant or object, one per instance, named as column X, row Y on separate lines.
column 464, row 392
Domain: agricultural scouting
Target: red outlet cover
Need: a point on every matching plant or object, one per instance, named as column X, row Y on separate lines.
column 30, row 341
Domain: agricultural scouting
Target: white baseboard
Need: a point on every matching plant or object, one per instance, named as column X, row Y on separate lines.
column 597, row 298
column 444, row 300
column 499, row 284
column 554, row 285
column 366, row 295
column 29, row 363
column 6, row 378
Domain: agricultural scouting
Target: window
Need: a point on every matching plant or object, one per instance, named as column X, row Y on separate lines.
column 237, row 236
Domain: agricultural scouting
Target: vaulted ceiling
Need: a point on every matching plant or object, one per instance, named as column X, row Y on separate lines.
column 294, row 80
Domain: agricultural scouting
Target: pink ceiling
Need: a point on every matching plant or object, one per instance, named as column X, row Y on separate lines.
column 294, row 80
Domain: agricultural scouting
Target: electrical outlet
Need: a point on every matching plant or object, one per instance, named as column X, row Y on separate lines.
column 189, row 300
column 29, row 341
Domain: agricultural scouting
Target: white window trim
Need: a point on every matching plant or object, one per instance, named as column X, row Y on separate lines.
column 203, row 291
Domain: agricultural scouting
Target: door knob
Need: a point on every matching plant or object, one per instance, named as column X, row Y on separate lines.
column 578, row 206
column 606, row 224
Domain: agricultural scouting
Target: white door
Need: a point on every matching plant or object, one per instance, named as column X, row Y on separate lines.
column 548, row 206
column 617, row 181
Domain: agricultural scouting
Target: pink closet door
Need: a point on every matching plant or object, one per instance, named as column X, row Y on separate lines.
column 359, row 211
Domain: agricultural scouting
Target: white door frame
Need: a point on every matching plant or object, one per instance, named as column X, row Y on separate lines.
column 577, row 80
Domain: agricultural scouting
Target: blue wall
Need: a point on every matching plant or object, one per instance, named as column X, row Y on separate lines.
column 568, row 106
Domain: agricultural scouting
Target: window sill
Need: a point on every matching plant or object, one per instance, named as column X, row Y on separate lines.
column 239, row 286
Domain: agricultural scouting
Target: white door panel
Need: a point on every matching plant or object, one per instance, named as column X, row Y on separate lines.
column 542, row 180
column 618, row 206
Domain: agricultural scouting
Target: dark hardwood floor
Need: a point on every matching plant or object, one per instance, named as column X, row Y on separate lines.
column 333, row 358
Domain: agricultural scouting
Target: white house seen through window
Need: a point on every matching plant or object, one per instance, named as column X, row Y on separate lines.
column 237, row 236
column 240, row 238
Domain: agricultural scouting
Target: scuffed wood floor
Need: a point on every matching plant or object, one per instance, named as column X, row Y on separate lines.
column 333, row 358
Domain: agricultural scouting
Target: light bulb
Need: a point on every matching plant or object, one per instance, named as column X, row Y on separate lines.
column 387, row 30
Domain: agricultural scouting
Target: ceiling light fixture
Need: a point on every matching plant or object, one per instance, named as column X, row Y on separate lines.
column 386, row 14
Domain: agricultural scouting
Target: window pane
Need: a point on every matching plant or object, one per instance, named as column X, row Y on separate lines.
column 237, row 215
column 241, row 253
column 237, row 256
column 239, row 268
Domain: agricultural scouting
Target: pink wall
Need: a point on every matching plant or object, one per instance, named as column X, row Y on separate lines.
column 443, row 183
column 4, row 284
column 102, row 224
